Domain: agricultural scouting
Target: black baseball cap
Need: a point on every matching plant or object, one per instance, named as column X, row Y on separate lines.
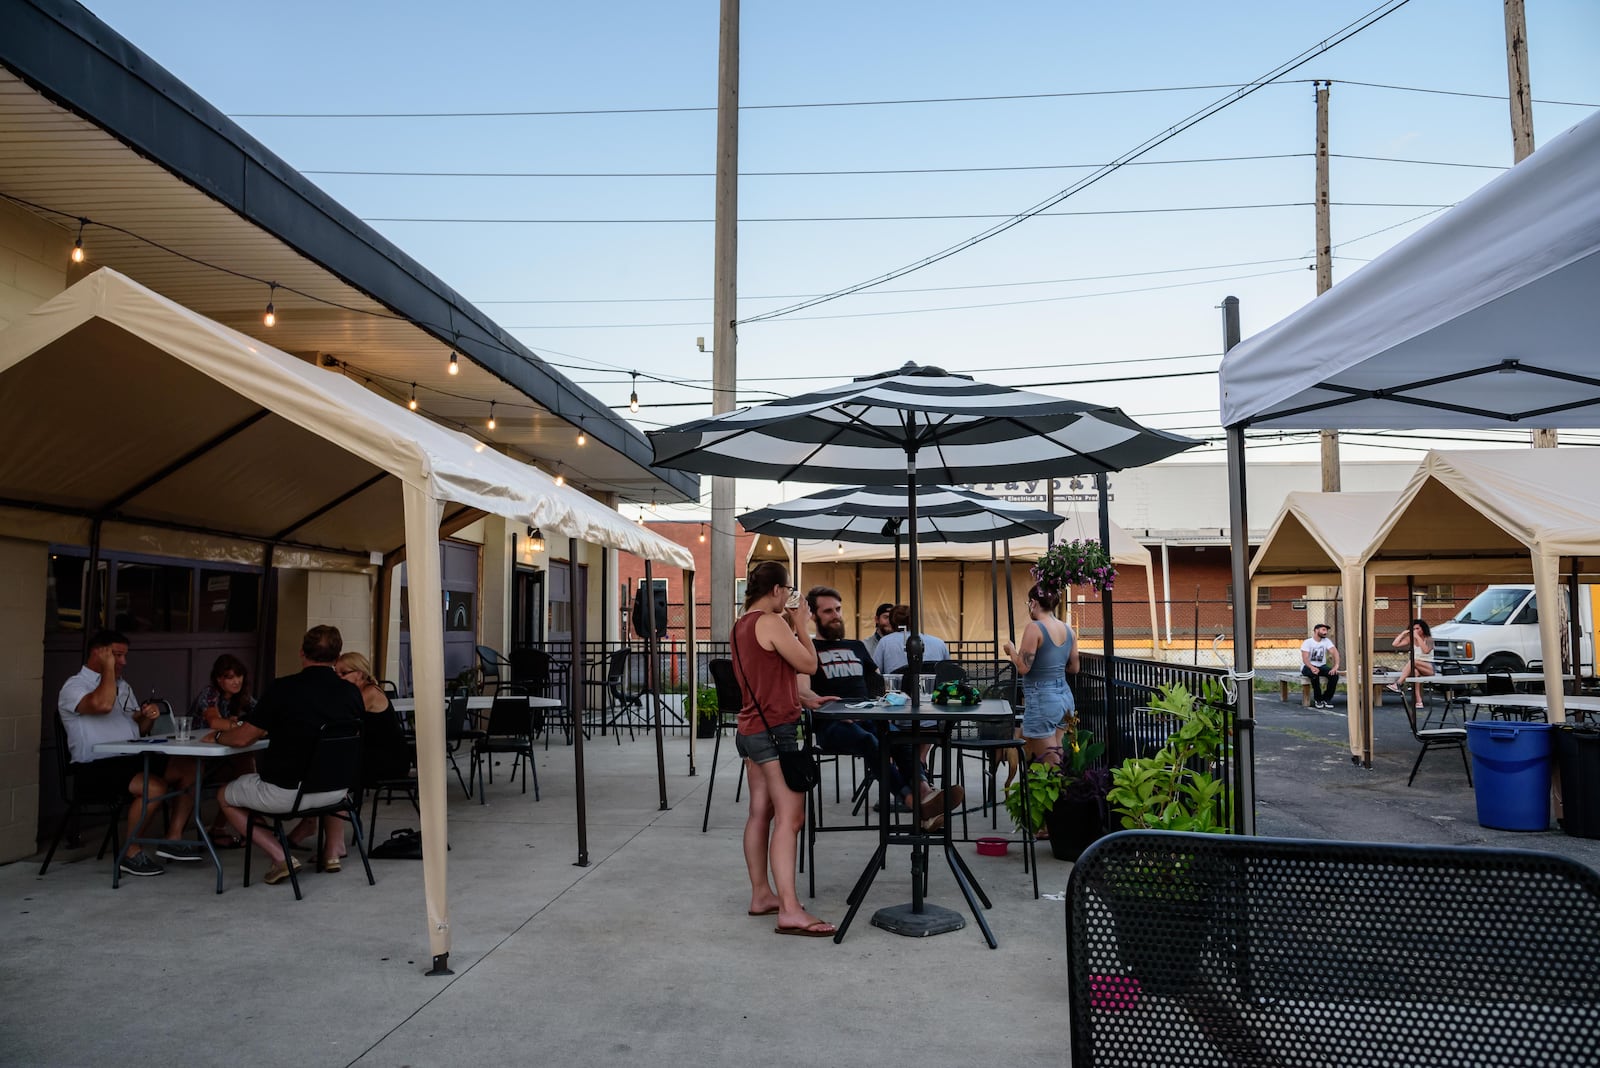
column 882, row 608
column 1321, row 626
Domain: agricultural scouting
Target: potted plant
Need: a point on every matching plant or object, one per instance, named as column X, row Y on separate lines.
column 1076, row 563
column 707, row 716
column 1066, row 796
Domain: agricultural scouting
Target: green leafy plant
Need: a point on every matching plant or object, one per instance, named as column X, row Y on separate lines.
column 1172, row 791
column 1076, row 563
column 1041, row 784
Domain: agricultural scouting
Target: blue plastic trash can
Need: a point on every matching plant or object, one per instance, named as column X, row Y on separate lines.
column 1511, row 774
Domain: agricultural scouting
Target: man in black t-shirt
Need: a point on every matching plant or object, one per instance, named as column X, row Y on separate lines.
column 292, row 712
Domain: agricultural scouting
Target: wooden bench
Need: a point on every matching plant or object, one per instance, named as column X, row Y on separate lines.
column 1286, row 678
column 1222, row 949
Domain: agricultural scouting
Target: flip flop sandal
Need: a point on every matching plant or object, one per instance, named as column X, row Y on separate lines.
column 773, row 911
column 809, row 930
column 227, row 840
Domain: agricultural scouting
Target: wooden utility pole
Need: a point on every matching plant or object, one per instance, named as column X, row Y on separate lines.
column 1521, row 96
column 1330, row 438
column 724, row 364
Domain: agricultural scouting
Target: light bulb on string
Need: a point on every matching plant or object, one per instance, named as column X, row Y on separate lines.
column 77, row 246
column 413, row 404
column 270, row 318
column 841, row 548
column 491, row 415
column 652, row 502
column 455, row 367
column 633, row 398
column 561, row 480
column 702, row 533
column 583, row 439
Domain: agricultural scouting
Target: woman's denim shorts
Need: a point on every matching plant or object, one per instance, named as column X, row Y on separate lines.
column 759, row 747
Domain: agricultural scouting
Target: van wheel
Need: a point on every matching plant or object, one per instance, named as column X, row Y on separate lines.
column 1503, row 662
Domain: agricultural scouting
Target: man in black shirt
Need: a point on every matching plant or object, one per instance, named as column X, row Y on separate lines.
column 292, row 712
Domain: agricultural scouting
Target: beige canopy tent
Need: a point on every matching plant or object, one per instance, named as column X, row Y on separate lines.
column 1492, row 515
column 1322, row 539
column 125, row 408
column 945, row 603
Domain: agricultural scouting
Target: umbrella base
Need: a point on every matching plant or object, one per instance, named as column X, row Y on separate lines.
column 932, row 920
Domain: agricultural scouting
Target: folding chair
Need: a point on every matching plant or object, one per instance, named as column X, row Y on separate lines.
column 511, row 726
column 335, row 765
column 1437, row 738
column 618, row 700
column 66, row 779
column 1454, row 697
column 461, row 728
column 387, row 789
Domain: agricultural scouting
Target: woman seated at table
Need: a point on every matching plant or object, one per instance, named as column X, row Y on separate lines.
column 1418, row 641
column 222, row 706
column 385, row 752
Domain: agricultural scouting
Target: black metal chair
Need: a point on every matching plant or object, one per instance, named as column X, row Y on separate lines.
column 511, row 727
column 1436, row 738
column 1454, row 697
column 993, row 744
column 1187, row 949
column 335, row 765
column 1499, row 684
column 530, row 670
column 619, row 701
column 76, row 800
column 387, row 789
column 389, row 688
column 461, row 729
column 493, row 669
column 729, row 700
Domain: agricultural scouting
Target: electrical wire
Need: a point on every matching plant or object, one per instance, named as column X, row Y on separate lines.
column 1145, row 147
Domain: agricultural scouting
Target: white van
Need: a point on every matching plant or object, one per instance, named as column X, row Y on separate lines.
column 1498, row 630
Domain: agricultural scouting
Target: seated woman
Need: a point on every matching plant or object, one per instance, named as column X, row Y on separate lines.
column 1418, row 640
column 385, row 751
column 222, row 706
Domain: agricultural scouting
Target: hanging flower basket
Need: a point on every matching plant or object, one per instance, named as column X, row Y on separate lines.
column 1076, row 563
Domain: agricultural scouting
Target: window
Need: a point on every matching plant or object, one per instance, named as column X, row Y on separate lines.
column 1439, row 594
column 228, row 602
column 1264, row 595
column 66, row 587
column 152, row 598
column 458, row 613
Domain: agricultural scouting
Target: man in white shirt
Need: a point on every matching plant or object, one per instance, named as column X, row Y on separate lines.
column 97, row 705
column 1319, row 662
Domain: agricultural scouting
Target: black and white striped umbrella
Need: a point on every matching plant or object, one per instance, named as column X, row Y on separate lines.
column 946, row 428
column 871, row 515
column 890, row 429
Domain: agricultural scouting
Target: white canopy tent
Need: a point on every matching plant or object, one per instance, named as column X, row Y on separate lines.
column 123, row 407
column 1486, row 317
column 1081, row 526
column 1498, row 514
column 1322, row 539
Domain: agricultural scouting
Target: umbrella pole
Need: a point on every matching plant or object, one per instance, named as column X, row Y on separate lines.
column 897, row 599
column 1011, row 607
column 994, row 596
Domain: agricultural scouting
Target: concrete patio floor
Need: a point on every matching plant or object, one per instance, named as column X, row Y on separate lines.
column 644, row 957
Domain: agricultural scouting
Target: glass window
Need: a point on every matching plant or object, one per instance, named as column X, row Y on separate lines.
column 458, row 612
column 65, row 590
column 229, row 601
column 152, row 598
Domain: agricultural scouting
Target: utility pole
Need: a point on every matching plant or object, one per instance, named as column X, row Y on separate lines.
column 1244, row 657
column 724, row 362
column 1330, row 438
column 1521, row 95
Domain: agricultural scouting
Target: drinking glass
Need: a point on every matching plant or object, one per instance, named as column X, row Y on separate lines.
column 180, row 728
column 891, row 682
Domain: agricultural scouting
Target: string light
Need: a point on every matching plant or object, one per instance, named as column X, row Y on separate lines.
column 633, row 398
column 702, row 533
column 491, row 415
column 583, row 439
column 841, row 548
column 413, row 404
column 455, row 368
column 652, row 502
column 561, row 480
column 77, row 246
column 271, row 317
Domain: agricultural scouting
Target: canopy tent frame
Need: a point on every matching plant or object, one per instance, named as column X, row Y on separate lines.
column 429, row 465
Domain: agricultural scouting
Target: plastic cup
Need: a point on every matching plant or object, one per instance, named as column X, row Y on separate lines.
column 180, row 728
column 925, row 686
column 891, row 683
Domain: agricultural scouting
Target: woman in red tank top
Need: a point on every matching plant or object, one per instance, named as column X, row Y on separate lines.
column 771, row 644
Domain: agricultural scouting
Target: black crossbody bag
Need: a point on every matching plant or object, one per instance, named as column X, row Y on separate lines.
column 799, row 766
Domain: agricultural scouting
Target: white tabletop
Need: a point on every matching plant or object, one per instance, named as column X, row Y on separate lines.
column 164, row 744
column 1474, row 679
column 1577, row 702
column 482, row 703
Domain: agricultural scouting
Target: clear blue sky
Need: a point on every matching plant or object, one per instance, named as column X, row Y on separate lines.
column 605, row 298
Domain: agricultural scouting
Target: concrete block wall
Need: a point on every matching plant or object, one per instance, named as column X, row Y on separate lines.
column 34, row 258
column 341, row 600
column 23, row 569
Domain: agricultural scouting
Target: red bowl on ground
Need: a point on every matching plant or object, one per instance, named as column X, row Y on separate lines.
column 993, row 847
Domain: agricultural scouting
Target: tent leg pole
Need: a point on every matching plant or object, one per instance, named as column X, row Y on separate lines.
column 652, row 682
column 1244, row 722
column 575, row 700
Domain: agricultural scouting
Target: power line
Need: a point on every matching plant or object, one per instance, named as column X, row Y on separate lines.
column 857, row 103
column 464, row 220
column 1147, row 146
column 806, row 174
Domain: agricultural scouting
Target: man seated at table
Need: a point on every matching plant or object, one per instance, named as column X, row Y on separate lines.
column 1319, row 663
column 97, row 705
column 846, row 673
column 292, row 711
column 890, row 655
column 880, row 626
